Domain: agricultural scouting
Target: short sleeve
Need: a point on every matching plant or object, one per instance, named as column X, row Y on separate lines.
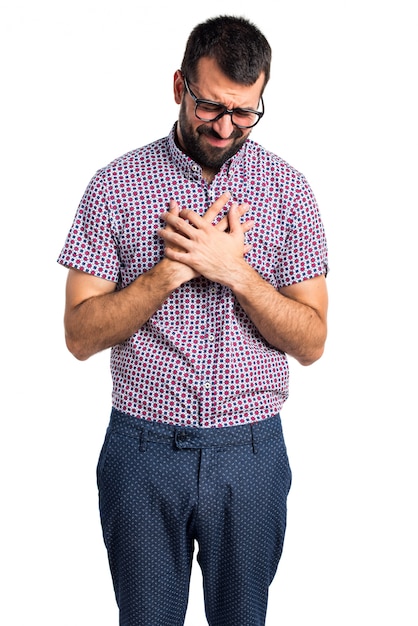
column 304, row 252
column 91, row 243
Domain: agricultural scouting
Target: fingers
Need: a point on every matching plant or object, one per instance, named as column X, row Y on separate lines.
column 237, row 210
column 223, row 224
column 174, row 210
column 174, row 239
column 176, row 221
column 213, row 211
column 238, row 229
column 210, row 215
column 247, row 226
column 174, row 207
column 170, row 233
column 234, row 219
column 185, row 220
column 219, row 204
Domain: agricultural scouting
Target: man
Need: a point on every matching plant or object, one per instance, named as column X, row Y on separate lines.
column 200, row 260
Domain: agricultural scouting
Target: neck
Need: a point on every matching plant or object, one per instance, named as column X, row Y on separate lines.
column 208, row 174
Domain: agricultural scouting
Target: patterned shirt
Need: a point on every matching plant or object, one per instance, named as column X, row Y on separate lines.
column 199, row 360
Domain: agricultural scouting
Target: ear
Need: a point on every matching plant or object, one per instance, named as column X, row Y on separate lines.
column 178, row 85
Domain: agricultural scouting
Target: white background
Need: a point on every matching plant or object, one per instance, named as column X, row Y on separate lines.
column 86, row 81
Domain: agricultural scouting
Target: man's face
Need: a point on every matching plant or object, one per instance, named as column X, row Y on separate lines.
column 212, row 143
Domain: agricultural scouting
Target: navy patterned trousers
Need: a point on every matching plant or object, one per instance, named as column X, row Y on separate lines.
column 163, row 489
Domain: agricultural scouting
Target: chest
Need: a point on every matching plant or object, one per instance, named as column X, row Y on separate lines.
column 137, row 203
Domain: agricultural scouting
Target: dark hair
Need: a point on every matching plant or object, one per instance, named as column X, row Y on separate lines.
column 238, row 46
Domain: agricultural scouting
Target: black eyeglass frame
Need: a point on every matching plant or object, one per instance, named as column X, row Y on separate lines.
column 226, row 111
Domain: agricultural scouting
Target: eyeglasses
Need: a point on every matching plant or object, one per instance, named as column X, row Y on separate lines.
column 209, row 111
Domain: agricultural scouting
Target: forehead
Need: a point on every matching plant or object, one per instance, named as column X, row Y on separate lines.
column 212, row 84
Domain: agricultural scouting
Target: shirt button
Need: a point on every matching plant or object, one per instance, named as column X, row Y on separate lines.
column 207, row 385
column 211, row 337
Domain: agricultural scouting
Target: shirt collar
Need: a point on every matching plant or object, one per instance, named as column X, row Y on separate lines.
column 193, row 170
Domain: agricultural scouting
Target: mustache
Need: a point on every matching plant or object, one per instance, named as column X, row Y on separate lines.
column 207, row 130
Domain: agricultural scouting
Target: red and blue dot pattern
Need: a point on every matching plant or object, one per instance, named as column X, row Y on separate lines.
column 198, row 361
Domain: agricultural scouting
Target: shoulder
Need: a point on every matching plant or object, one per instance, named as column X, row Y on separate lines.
column 276, row 172
column 139, row 157
column 128, row 168
column 271, row 162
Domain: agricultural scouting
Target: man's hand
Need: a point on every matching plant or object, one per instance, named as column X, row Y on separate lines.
column 204, row 248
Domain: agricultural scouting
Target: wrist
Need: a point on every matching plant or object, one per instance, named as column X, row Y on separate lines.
column 174, row 274
column 240, row 277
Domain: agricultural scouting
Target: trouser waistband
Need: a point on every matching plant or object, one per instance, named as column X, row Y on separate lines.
column 191, row 437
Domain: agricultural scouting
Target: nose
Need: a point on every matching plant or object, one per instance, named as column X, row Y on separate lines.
column 224, row 126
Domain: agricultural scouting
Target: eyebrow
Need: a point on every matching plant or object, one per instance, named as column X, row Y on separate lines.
column 218, row 102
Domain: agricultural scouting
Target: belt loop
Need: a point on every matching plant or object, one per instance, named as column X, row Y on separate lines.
column 253, row 439
column 143, row 440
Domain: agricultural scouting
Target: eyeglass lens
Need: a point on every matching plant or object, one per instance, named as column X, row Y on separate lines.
column 208, row 112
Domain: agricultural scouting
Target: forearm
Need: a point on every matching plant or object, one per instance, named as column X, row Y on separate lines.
column 102, row 321
column 287, row 324
column 293, row 321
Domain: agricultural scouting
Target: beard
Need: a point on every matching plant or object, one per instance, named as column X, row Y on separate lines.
column 208, row 156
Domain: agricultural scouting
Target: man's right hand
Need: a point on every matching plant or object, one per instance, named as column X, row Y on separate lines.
column 186, row 273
